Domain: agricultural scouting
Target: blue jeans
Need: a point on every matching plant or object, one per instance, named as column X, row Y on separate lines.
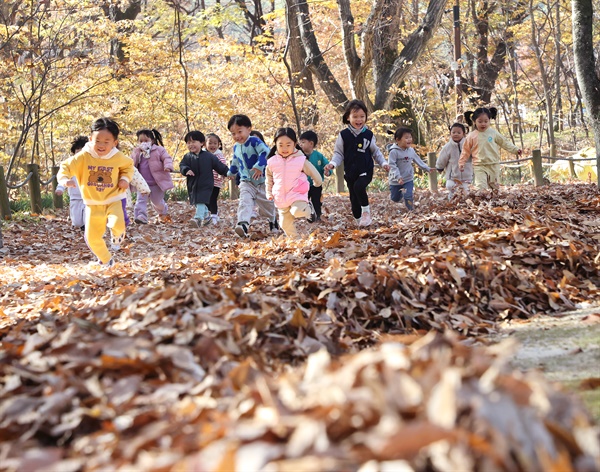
column 201, row 211
column 398, row 192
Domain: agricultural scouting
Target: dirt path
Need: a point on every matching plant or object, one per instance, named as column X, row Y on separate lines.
column 566, row 348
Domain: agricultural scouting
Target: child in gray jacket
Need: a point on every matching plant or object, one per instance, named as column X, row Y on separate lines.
column 401, row 174
column 448, row 161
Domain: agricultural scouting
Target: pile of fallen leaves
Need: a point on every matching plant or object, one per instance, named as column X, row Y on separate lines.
column 175, row 349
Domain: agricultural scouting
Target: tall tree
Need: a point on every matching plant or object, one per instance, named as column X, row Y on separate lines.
column 586, row 65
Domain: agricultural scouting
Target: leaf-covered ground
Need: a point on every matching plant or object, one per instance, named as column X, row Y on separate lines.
column 175, row 357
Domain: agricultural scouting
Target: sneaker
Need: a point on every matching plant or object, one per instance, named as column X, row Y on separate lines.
column 116, row 242
column 140, row 222
column 215, row 219
column 313, row 215
column 274, row 227
column 206, row 221
column 365, row 219
column 241, row 229
column 196, row 223
column 98, row 263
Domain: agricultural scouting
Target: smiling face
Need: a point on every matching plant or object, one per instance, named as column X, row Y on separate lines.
column 357, row 118
column 457, row 134
column 239, row 133
column 212, row 144
column 482, row 122
column 194, row 146
column 285, row 146
column 405, row 140
column 103, row 142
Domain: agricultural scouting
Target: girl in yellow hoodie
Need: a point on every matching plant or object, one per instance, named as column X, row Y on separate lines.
column 103, row 173
column 483, row 145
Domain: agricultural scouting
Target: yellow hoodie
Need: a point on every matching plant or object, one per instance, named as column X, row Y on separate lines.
column 98, row 177
column 484, row 147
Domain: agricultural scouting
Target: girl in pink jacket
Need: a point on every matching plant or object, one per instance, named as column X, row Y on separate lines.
column 286, row 181
column 155, row 164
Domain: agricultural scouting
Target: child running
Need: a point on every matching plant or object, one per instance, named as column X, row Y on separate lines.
column 355, row 147
column 155, row 165
column 198, row 166
column 249, row 162
column 287, row 182
column 402, row 173
column 448, row 161
column 308, row 142
column 215, row 146
column 483, row 145
column 76, row 205
column 103, row 173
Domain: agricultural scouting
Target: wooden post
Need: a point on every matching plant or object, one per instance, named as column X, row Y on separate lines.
column 433, row 181
column 339, row 178
column 538, row 169
column 4, row 203
column 56, row 199
column 35, row 192
column 234, row 190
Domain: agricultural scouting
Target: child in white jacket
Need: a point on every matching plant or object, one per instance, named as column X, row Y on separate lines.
column 448, row 161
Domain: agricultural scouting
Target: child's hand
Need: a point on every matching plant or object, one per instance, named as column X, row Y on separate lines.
column 327, row 169
column 123, row 184
column 168, row 169
column 386, row 167
column 71, row 184
column 256, row 174
column 400, row 181
column 432, row 170
column 190, row 173
column 59, row 192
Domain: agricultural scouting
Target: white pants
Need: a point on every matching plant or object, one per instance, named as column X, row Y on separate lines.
column 254, row 195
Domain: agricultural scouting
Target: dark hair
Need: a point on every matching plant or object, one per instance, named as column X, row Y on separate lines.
column 311, row 136
column 400, row 132
column 258, row 134
column 240, row 120
column 153, row 134
column 471, row 116
column 213, row 135
column 78, row 143
column 288, row 132
column 109, row 125
column 195, row 136
column 354, row 105
column 458, row 125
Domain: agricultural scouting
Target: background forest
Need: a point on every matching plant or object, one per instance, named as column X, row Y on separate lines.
column 177, row 65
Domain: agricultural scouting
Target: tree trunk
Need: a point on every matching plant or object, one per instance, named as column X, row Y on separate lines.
column 316, row 62
column 390, row 76
column 302, row 78
column 111, row 10
column 543, row 74
column 586, row 67
column 557, row 68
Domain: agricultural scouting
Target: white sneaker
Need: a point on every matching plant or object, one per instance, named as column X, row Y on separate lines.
column 365, row 219
column 215, row 219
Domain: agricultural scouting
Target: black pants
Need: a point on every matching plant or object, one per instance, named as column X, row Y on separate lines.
column 212, row 204
column 357, row 186
column 314, row 195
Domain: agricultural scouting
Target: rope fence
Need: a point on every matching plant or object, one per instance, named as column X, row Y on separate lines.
column 22, row 184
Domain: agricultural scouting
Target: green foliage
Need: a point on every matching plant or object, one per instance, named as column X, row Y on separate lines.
column 22, row 204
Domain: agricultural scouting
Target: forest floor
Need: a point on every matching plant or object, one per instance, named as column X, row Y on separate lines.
column 200, row 309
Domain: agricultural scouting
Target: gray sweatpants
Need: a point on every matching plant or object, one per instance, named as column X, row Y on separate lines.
column 254, row 195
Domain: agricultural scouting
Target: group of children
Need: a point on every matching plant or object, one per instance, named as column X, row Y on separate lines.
column 282, row 183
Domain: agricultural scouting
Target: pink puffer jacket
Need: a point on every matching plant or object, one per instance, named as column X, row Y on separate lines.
column 289, row 182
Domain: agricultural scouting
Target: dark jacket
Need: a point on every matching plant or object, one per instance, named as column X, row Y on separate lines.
column 358, row 158
column 200, row 186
